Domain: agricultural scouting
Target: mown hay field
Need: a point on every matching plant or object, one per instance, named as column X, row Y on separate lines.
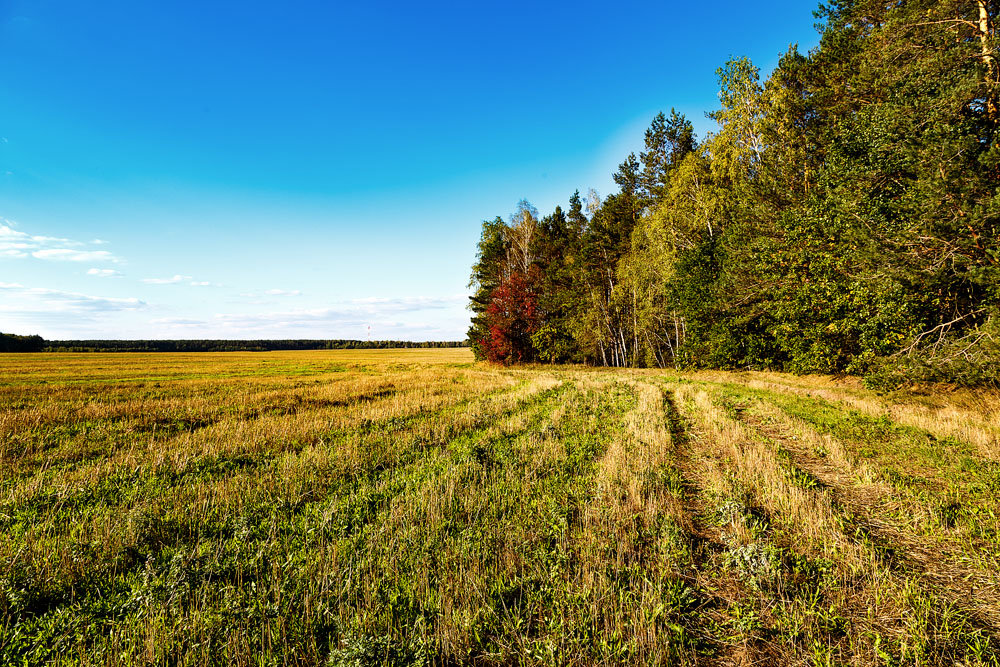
column 411, row 507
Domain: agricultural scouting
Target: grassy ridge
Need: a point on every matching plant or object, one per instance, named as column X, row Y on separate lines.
column 409, row 507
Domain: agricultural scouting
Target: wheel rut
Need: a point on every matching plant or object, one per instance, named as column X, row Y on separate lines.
column 972, row 590
column 724, row 588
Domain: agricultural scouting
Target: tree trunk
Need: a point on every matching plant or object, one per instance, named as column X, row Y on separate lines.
column 621, row 335
column 989, row 60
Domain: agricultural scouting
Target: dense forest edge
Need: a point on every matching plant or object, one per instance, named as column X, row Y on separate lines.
column 843, row 218
column 15, row 343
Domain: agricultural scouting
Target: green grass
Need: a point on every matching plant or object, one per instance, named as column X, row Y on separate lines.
column 363, row 508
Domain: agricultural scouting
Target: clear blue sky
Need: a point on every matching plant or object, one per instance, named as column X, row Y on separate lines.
column 307, row 169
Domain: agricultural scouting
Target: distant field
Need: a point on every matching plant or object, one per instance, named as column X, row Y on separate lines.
column 410, row 507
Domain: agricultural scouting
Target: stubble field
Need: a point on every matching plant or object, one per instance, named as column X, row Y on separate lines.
column 410, row 507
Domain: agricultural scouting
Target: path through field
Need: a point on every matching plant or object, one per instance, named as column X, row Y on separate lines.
column 409, row 507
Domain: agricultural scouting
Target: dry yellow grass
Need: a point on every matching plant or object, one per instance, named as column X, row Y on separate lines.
column 411, row 507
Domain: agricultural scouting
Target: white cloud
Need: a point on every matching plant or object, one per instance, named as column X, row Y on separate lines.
column 410, row 318
column 408, row 304
column 15, row 299
column 71, row 255
column 271, row 292
column 38, row 238
column 103, row 273
column 166, row 281
column 177, row 279
column 18, row 244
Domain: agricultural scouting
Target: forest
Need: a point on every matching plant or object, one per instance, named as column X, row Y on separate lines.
column 15, row 343
column 841, row 219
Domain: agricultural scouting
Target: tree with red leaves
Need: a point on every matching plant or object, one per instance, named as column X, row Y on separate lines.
column 511, row 318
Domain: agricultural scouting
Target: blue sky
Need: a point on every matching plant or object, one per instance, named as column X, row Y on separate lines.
column 307, row 169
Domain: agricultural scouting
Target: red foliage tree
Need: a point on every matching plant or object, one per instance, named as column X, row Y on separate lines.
column 511, row 318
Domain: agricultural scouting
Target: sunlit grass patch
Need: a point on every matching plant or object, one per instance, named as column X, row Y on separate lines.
column 418, row 509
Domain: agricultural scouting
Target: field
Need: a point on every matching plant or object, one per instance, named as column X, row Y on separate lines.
column 410, row 507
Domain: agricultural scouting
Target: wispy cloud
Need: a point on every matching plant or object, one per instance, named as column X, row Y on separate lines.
column 408, row 318
column 103, row 273
column 271, row 292
column 73, row 255
column 19, row 300
column 17, row 244
column 408, row 304
column 178, row 279
column 166, row 281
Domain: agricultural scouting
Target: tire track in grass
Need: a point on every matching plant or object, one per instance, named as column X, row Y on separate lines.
column 284, row 516
column 972, row 421
column 884, row 598
column 478, row 574
column 941, row 491
column 927, row 487
column 638, row 524
column 72, row 437
column 829, row 592
column 355, row 528
column 121, row 486
column 603, row 582
column 974, row 591
column 734, row 612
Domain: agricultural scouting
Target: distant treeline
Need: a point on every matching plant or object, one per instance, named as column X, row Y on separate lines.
column 12, row 343
column 844, row 217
